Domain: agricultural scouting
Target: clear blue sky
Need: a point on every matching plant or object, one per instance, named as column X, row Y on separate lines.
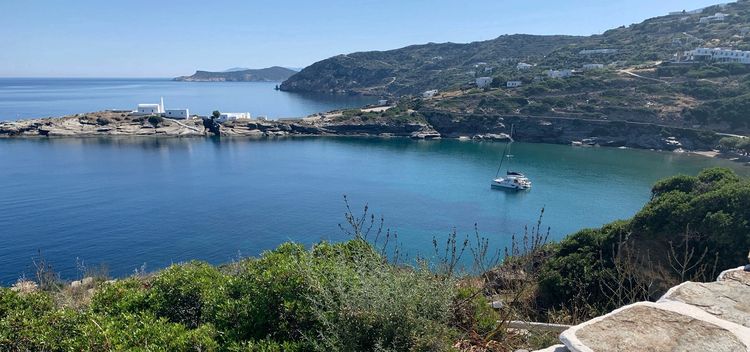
column 163, row 38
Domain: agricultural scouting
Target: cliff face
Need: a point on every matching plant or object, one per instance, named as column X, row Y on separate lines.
column 566, row 130
column 271, row 74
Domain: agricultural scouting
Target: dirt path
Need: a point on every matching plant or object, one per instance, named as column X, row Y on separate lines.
column 642, row 77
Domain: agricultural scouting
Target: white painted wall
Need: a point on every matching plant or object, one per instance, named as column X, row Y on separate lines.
column 148, row 109
column 231, row 116
column 177, row 113
column 483, row 82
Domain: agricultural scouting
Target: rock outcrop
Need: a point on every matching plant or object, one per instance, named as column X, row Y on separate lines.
column 425, row 125
column 566, row 130
column 692, row 316
column 103, row 123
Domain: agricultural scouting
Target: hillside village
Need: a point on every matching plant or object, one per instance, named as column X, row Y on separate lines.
column 686, row 69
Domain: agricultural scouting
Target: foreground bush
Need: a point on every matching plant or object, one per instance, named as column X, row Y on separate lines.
column 693, row 227
column 348, row 297
column 333, row 297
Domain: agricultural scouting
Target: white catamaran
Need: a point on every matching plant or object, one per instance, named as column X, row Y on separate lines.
column 513, row 180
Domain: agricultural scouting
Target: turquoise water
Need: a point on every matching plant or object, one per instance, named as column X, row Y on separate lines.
column 129, row 201
column 42, row 97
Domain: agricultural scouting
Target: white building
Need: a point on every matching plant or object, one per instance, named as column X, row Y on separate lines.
column 559, row 73
column 383, row 102
column 483, row 82
column 158, row 109
column 231, row 116
column 429, row 93
column 718, row 55
column 717, row 17
column 685, row 12
column 590, row 67
column 148, row 109
column 597, row 51
column 177, row 113
column 523, row 66
column 513, row 84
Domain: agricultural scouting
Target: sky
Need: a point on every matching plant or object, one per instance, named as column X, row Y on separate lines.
column 167, row 38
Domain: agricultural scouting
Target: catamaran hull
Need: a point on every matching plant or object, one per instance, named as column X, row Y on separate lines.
column 509, row 186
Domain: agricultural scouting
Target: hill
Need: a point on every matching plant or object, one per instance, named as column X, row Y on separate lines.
column 447, row 66
column 638, row 74
column 270, row 74
column 419, row 67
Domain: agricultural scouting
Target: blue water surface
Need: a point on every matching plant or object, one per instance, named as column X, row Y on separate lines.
column 43, row 97
column 129, row 201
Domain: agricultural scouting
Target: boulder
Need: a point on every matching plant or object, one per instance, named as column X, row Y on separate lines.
column 727, row 300
column 425, row 134
column 739, row 275
column 492, row 137
column 276, row 133
column 666, row 326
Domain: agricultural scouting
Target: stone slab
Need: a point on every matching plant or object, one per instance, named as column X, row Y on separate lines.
column 555, row 348
column 728, row 300
column 666, row 326
column 737, row 274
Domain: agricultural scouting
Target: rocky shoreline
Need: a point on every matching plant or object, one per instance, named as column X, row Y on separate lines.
column 431, row 125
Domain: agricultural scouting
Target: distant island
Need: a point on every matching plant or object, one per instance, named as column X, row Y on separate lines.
column 270, row 74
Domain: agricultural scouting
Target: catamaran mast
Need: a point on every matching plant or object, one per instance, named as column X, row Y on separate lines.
column 506, row 152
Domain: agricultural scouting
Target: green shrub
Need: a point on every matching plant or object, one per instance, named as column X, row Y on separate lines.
column 735, row 144
column 123, row 296
column 128, row 332
column 30, row 322
column 575, row 270
column 155, row 120
column 373, row 306
column 681, row 183
column 265, row 297
column 188, row 294
column 267, row 346
column 708, row 213
column 472, row 312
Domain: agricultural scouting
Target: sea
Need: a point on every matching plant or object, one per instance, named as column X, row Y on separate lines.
column 22, row 98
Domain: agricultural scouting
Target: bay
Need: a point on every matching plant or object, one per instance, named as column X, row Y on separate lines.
column 126, row 202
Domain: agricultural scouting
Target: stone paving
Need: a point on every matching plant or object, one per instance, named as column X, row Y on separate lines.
column 693, row 316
